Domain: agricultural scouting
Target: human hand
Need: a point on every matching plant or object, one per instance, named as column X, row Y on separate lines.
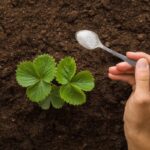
column 137, row 110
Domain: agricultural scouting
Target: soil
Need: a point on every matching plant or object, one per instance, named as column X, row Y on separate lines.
column 32, row 27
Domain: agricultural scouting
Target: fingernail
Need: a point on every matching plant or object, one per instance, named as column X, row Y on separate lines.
column 142, row 64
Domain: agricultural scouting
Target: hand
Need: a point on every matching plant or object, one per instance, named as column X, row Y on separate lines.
column 137, row 110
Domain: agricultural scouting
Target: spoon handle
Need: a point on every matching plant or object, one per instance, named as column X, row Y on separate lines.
column 122, row 57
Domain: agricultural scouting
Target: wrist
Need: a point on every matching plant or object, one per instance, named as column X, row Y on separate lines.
column 136, row 140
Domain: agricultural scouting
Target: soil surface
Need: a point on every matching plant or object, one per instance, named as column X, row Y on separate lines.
column 32, row 27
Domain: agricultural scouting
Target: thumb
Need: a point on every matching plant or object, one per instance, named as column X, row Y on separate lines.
column 142, row 76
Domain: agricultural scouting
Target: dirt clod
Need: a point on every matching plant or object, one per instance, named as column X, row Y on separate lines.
column 141, row 37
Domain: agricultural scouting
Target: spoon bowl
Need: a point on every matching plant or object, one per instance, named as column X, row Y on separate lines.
column 88, row 39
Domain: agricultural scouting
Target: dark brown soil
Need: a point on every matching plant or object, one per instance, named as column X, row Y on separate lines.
column 32, row 27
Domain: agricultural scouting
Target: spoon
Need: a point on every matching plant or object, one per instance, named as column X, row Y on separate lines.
column 91, row 41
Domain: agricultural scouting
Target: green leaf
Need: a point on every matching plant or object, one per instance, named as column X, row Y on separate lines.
column 39, row 91
column 83, row 80
column 26, row 74
column 72, row 95
column 66, row 69
column 45, row 67
column 55, row 98
column 45, row 104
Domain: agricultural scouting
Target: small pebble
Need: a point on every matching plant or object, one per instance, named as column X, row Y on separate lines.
column 141, row 37
column 1, row 29
column 72, row 16
column 5, row 72
column 123, row 102
column 43, row 32
column 3, row 117
column 91, row 12
column 2, row 36
column 31, row 2
column 13, row 119
column 106, row 3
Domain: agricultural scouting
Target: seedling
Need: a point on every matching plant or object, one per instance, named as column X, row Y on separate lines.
column 48, row 84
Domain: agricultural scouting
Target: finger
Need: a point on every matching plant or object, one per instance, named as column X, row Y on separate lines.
column 142, row 76
column 114, row 70
column 125, row 78
column 125, row 67
column 138, row 55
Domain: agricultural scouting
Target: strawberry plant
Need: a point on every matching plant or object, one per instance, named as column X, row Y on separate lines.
column 48, row 84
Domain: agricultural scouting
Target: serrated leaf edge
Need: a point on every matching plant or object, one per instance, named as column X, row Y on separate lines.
column 16, row 72
column 40, row 56
column 91, row 77
column 75, row 104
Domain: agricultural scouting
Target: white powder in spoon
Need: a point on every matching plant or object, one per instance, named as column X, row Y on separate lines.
column 87, row 39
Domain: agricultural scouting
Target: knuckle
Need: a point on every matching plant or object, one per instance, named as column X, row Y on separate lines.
column 141, row 53
column 143, row 80
column 143, row 77
column 144, row 55
column 141, row 99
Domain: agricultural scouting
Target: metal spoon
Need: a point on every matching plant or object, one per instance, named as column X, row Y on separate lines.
column 90, row 40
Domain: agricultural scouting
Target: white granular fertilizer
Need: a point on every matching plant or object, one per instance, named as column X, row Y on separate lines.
column 88, row 39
